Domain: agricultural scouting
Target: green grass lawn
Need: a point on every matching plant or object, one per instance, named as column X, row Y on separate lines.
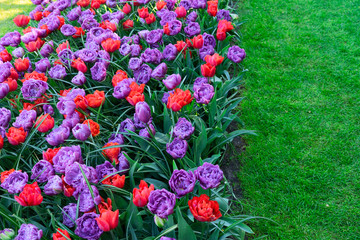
column 303, row 170
column 10, row 9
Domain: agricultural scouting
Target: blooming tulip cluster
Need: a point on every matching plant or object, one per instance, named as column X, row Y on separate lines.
column 96, row 95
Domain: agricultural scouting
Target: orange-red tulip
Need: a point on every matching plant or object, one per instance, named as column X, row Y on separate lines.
column 16, row 136
column 30, row 196
column 141, row 194
column 21, row 20
column 108, row 220
column 207, row 70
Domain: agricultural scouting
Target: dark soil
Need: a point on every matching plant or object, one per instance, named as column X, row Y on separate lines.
column 231, row 163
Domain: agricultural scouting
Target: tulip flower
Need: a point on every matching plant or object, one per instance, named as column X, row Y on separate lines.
column 114, row 180
column 214, row 60
column 179, row 99
column 46, row 123
column 79, row 32
column 181, row 12
column 150, row 19
column 94, row 127
column 1, row 142
column 30, row 195
column 49, row 154
column 143, row 111
column 212, row 7
column 79, row 65
column 5, row 56
column 34, row 45
column 198, row 42
column 203, row 209
column 108, row 220
column 96, row 99
column 143, row 12
column 207, row 70
column 141, row 194
column 83, row 3
column 110, row 45
column 112, row 153
column 62, row 46
column 59, row 235
column 160, row 5
column 127, row 8
column 16, row 136
column 21, row 20
column 128, row 24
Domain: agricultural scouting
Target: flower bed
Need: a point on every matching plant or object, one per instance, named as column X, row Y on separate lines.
column 113, row 120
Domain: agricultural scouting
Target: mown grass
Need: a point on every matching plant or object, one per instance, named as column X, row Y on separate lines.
column 302, row 93
column 10, row 9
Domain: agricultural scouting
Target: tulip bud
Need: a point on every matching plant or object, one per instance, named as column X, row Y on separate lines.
column 143, row 111
column 7, row 234
column 160, row 222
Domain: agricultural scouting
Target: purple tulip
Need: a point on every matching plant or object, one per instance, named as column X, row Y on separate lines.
column 154, row 36
column 42, row 170
column 166, row 238
column 192, row 29
column 5, row 71
column 143, row 111
column 75, row 177
column 81, row 131
column 54, row 186
column 11, row 39
column 18, row 52
column 223, row 14
column 162, row 203
column 199, row 4
column 183, row 129
column 135, row 63
column 204, row 93
column 4, row 90
column 71, row 120
column 124, row 166
column 125, row 49
column 79, row 79
column 57, row 72
column 159, row 72
column 167, row 16
column 87, row 200
column 105, row 169
column 87, row 55
column 191, row 17
column 74, row 14
column 58, row 136
column 48, row 109
column 143, row 74
column 66, row 56
column 172, row 81
column 68, row 30
column 65, row 157
column 117, row 138
column 26, row 119
column 47, row 49
column 209, row 175
column 206, row 50
column 127, row 125
column 122, row 89
column 170, row 52
column 177, row 148
column 69, row 215
column 147, row 132
column 151, row 56
column 5, row 117
column 98, row 72
column 66, row 106
column 135, row 50
column 199, row 81
column 236, row 54
column 182, row 182
column 15, row 182
column 29, row 231
column 87, row 227
column 42, row 65
column 174, row 27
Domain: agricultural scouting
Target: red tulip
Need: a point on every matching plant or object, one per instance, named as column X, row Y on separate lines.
column 5, row 174
column 94, row 127
column 136, row 94
column 12, row 83
column 79, row 32
column 96, row 99
column 34, row 45
column 104, row 206
column 45, row 26
column 115, row 180
column 110, row 45
column 38, row 16
column 179, row 99
column 49, row 154
column 68, row 190
column 198, row 42
column 108, row 25
column 5, row 56
column 112, row 153
column 62, row 46
column 150, row 19
column 22, row 65
column 128, row 24
column 13, row 74
column 59, row 235
column 21, row 20
column 83, row 3
column 181, row 12
column 203, row 209
column 141, row 194
column 207, row 70
column 143, row 12
column 79, row 65
column 46, row 123
column 160, row 5
column 225, row 25
column 127, row 8
column 30, row 196
column 95, row 4
column 108, row 220
column 62, row 22
column 212, row 8
column 16, row 136
column 118, row 77
column 214, row 60
column 46, row 13
column 1, row 142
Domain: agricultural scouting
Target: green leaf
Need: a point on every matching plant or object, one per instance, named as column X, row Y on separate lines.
column 185, row 231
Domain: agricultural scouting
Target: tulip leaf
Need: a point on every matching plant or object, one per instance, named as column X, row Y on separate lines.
column 185, row 231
